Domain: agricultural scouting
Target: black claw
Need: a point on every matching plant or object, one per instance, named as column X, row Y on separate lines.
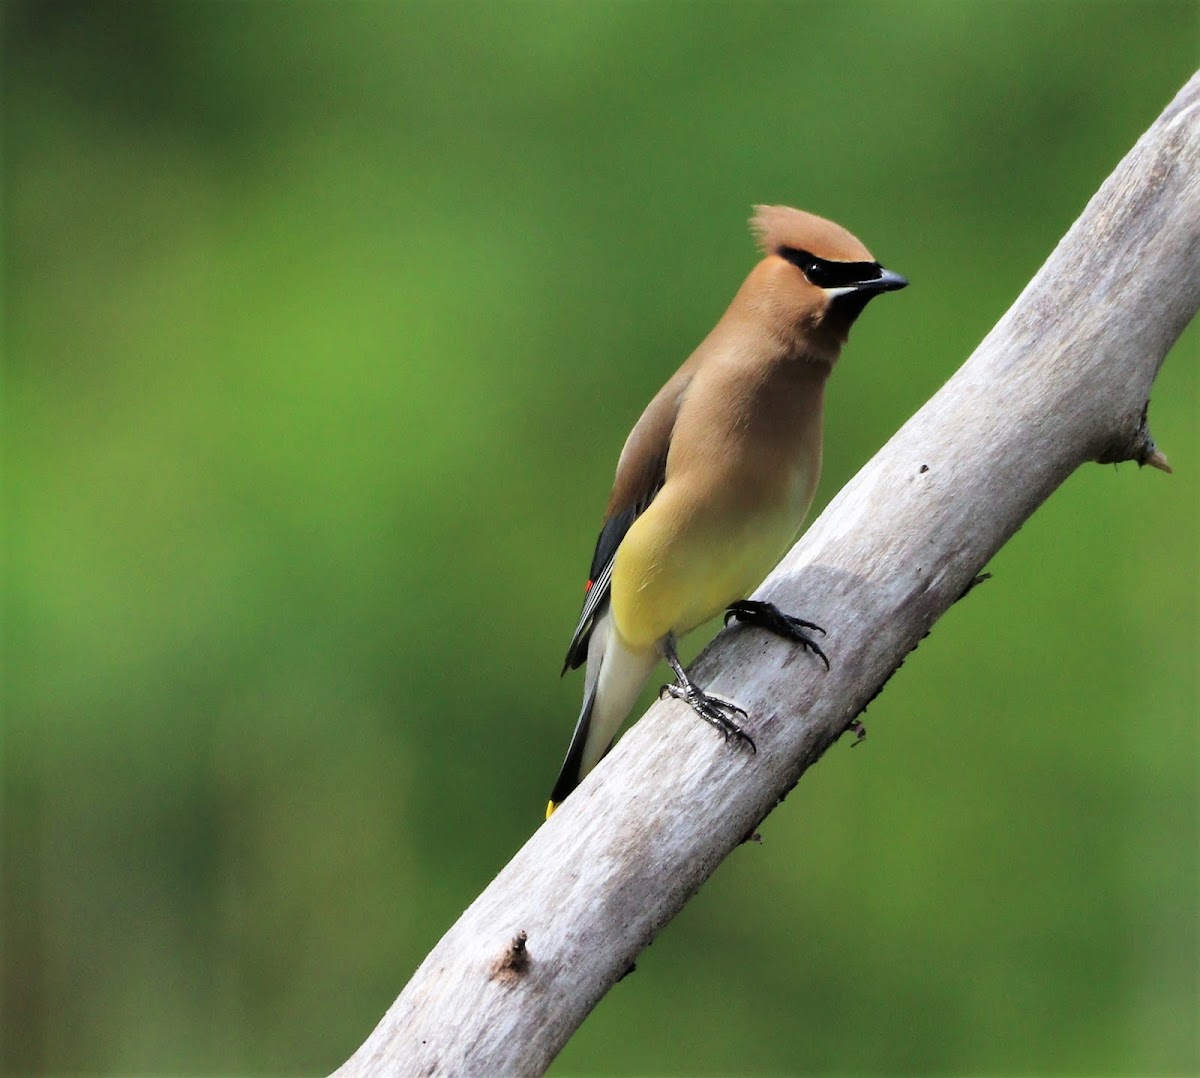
column 812, row 646
column 713, row 710
column 768, row 616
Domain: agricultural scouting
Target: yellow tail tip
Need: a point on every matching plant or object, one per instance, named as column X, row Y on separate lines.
column 550, row 807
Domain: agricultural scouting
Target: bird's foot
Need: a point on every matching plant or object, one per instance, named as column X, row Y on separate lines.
column 768, row 616
column 713, row 709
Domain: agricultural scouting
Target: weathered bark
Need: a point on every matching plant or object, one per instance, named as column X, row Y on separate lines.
column 1063, row 379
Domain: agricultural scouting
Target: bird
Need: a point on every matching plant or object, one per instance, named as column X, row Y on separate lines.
column 715, row 480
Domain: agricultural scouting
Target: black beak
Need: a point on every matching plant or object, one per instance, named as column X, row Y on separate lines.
column 887, row 281
column 849, row 305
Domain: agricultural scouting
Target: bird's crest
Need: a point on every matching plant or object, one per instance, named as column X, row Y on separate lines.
column 781, row 226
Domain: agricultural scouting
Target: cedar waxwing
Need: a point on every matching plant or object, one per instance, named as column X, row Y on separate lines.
column 716, row 478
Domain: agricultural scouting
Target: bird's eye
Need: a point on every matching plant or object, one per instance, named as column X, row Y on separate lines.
column 817, row 273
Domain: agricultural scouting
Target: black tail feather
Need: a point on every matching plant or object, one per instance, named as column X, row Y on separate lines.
column 569, row 777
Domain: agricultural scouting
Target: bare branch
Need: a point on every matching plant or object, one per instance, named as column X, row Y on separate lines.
column 1063, row 379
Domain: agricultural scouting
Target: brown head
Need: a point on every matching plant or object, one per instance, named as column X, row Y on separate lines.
column 814, row 280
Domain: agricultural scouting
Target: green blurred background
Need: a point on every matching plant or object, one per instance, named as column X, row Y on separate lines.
column 324, row 325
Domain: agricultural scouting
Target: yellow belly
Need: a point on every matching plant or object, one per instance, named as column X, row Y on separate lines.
column 676, row 569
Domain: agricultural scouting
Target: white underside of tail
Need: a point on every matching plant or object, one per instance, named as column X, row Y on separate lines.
column 618, row 675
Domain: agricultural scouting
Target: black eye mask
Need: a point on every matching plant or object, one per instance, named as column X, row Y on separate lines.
column 828, row 274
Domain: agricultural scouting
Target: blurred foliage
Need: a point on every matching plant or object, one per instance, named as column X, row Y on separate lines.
column 324, row 324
